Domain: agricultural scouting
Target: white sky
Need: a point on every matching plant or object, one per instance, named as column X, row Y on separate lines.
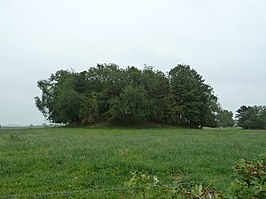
column 223, row 40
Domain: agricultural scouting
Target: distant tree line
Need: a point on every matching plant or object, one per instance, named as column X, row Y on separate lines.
column 224, row 118
column 252, row 117
column 112, row 94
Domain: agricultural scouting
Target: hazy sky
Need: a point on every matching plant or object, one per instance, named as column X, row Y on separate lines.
column 225, row 41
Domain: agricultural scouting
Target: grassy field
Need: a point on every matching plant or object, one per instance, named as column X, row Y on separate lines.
column 66, row 159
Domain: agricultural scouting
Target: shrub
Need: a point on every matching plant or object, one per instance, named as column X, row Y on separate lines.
column 251, row 181
column 249, row 184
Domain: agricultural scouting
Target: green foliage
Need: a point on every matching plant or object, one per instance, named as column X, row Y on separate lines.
column 130, row 106
column 157, row 86
column 225, row 118
column 67, row 106
column 195, row 103
column 60, row 102
column 251, row 181
column 151, row 187
column 252, row 117
column 108, row 93
column 89, row 113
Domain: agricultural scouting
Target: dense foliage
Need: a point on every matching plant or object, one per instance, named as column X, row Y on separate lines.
column 252, row 117
column 109, row 93
column 225, row 118
column 250, row 182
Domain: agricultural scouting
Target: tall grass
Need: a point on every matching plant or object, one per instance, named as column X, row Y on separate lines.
column 65, row 159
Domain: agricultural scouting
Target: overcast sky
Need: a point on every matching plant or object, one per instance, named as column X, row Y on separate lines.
column 225, row 41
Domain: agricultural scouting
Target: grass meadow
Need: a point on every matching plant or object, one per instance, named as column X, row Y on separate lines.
column 70, row 159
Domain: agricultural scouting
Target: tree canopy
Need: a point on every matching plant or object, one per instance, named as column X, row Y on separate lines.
column 252, row 117
column 112, row 94
column 225, row 118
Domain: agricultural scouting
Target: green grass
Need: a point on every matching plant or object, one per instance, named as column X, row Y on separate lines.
column 67, row 159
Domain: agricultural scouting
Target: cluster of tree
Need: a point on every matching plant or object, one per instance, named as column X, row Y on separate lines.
column 109, row 93
column 224, row 118
column 252, row 117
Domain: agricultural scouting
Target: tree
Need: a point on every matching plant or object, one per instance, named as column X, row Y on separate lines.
column 67, row 106
column 130, row 106
column 225, row 119
column 51, row 91
column 106, row 81
column 252, row 117
column 90, row 113
column 195, row 103
column 157, row 87
column 109, row 93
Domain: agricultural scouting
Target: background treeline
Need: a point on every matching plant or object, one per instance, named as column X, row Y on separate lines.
column 107, row 93
column 252, row 117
